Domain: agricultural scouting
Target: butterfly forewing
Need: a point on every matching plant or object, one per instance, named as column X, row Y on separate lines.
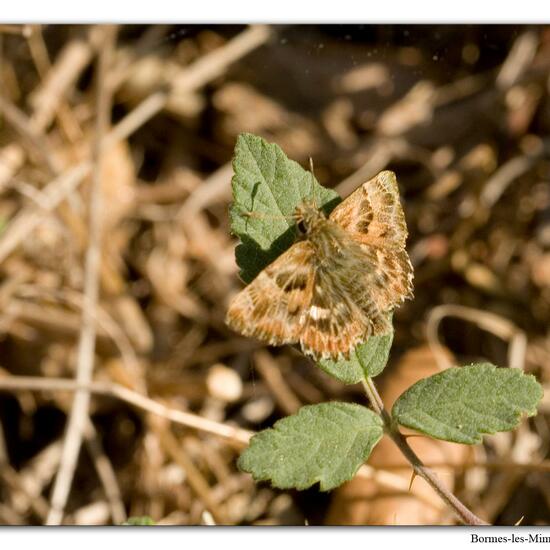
column 373, row 216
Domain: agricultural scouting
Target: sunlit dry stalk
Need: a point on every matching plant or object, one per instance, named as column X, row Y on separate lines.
column 196, row 480
column 29, row 218
column 86, row 347
column 106, row 473
column 194, row 77
column 497, row 325
column 234, row 434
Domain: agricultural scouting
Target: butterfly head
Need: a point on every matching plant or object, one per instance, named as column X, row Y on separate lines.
column 308, row 217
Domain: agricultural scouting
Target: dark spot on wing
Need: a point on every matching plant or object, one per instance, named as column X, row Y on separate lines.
column 289, row 281
column 324, row 325
column 366, row 219
column 363, row 226
column 319, row 300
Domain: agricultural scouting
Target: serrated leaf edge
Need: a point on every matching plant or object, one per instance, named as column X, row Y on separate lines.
column 409, row 421
column 378, row 424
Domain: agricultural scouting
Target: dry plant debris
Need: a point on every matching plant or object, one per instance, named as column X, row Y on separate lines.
column 123, row 393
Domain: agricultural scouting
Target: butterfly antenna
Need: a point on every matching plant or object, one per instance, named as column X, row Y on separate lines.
column 248, row 214
column 312, row 181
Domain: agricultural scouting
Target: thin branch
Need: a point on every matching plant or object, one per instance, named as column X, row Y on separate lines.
column 106, row 474
column 485, row 320
column 22, row 500
column 275, row 381
column 195, row 76
column 106, row 325
column 36, row 383
column 22, row 225
column 86, row 346
column 196, row 480
column 464, row 514
column 36, row 142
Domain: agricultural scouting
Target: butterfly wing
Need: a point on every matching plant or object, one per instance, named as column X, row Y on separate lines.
column 272, row 307
column 312, row 294
column 333, row 323
column 373, row 213
column 372, row 216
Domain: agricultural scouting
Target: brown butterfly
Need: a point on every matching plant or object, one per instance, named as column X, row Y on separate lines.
column 333, row 288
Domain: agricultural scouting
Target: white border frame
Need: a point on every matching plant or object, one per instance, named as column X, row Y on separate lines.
column 275, row 11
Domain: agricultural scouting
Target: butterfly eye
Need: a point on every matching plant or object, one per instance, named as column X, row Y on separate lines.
column 301, row 226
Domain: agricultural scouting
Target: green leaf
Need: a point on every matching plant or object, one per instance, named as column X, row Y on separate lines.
column 368, row 359
column 461, row 404
column 267, row 186
column 139, row 520
column 324, row 443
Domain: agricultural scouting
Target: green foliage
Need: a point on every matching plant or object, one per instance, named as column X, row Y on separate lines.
column 324, row 443
column 462, row 403
column 266, row 187
column 368, row 359
column 139, row 520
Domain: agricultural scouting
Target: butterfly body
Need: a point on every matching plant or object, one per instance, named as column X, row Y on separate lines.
column 335, row 286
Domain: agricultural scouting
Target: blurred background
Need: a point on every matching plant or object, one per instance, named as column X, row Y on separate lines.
column 138, row 123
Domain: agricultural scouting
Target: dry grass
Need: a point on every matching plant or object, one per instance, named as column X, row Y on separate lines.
column 123, row 393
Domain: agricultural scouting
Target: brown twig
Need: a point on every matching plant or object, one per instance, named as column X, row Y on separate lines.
column 56, row 80
column 463, row 513
column 33, row 138
column 520, row 57
column 194, row 476
column 53, row 100
column 36, row 383
column 85, row 360
column 270, row 372
column 106, row 474
column 194, row 77
column 497, row 325
column 22, row 499
column 40, row 470
column 31, row 217
column 106, row 324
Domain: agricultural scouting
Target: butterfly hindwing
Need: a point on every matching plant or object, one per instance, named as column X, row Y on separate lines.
column 333, row 323
column 343, row 311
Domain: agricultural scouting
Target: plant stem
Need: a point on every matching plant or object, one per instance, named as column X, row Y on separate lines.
column 464, row 514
